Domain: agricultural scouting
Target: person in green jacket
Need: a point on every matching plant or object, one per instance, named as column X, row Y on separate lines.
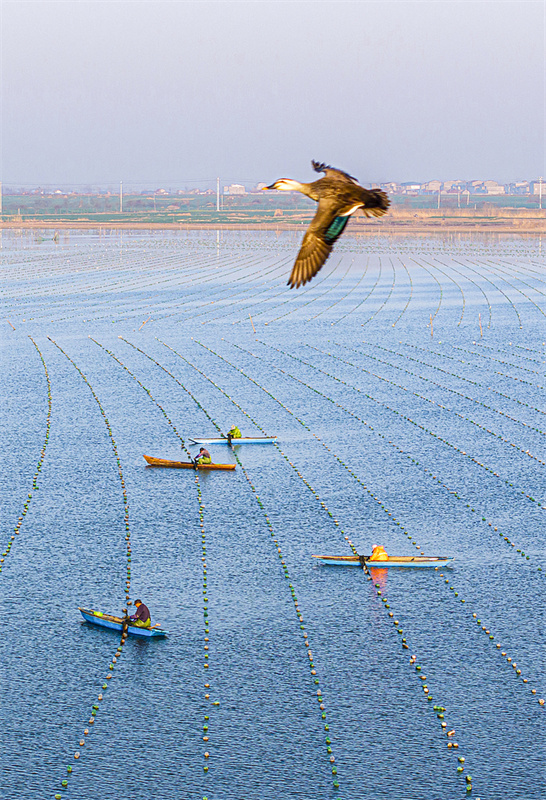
column 234, row 433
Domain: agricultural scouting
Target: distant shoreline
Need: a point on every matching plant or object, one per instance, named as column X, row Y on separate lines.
column 399, row 222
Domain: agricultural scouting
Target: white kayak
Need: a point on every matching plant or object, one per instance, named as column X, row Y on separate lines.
column 392, row 561
column 241, row 440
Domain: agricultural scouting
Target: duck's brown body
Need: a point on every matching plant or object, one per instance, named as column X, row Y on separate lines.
column 339, row 196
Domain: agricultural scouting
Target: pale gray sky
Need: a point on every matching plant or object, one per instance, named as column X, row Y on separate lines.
column 165, row 92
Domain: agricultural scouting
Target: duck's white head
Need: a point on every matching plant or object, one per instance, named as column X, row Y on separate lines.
column 285, row 185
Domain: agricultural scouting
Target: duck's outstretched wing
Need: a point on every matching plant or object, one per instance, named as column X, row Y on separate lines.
column 332, row 172
column 327, row 226
column 318, row 242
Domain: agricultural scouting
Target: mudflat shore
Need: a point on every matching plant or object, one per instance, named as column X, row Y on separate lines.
column 397, row 221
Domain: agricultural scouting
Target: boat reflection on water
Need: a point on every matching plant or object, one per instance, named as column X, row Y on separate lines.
column 379, row 576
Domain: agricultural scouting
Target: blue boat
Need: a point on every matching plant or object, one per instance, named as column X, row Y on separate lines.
column 392, row 561
column 116, row 624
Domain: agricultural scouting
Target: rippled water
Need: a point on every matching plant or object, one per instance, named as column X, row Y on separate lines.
column 406, row 387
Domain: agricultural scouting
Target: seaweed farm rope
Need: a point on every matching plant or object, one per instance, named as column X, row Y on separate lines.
column 400, row 526
column 39, row 465
column 274, row 538
column 118, row 652
column 206, row 618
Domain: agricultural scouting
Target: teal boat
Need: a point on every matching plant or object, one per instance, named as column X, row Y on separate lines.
column 392, row 561
column 116, row 624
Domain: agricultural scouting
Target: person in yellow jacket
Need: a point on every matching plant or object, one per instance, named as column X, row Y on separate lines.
column 378, row 553
column 234, row 433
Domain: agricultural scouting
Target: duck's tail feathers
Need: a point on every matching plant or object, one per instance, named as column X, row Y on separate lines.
column 377, row 204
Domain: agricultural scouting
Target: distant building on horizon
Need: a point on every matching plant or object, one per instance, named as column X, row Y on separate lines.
column 493, row 187
column 410, row 187
column 431, row 186
column 234, row 188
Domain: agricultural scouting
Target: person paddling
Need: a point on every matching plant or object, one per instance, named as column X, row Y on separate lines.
column 142, row 618
column 203, row 457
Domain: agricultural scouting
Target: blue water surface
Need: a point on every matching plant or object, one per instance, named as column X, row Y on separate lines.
column 405, row 384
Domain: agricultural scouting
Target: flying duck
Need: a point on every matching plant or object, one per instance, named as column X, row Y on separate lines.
column 338, row 195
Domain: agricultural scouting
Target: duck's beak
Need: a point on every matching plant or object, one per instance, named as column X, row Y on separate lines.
column 268, row 187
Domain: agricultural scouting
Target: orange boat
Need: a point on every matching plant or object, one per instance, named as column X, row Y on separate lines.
column 163, row 462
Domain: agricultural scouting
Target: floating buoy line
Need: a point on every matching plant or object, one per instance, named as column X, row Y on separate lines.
column 217, row 295
column 91, row 288
column 499, row 361
column 475, row 615
column 427, row 380
column 279, row 267
column 428, row 472
column 183, row 276
column 415, row 394
column 408, row 301
column 470, row 280
column 388, row 297
column 459, row 287
column 361, row 302
column 208, row 703
column 451, row 374
column 344, row 296
column 526, row 358
column 167, row 304
column 436, row 436
column 318, row 296
column 119, row 651
column 440, row 288
column 501, row 291
column 468, row 364
column 511, row 285
column 95, row 307
column 440, row 710
column 393, row 618
column 311, row 289
column 285, row 291
column 266, row 299
column 35, row 487
column 279, row 552
column 282, row 268
column 359, row 419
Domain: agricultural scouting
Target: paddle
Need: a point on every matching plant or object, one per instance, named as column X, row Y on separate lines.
column 363, row 562
column 125, row 623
